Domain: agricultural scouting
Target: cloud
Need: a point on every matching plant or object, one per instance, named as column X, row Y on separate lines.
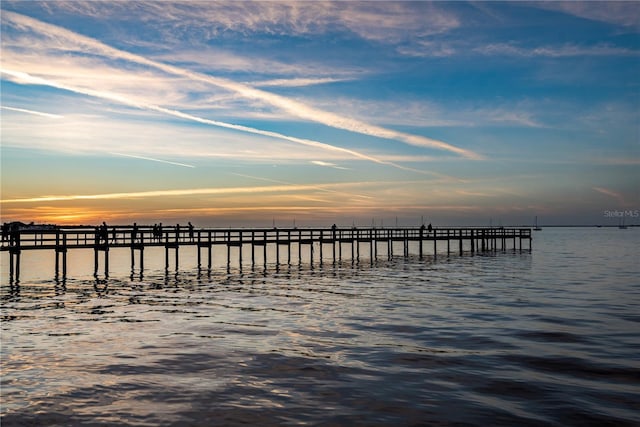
column 297, row 82
column 383, row 22
column 617, row 161
column 623, row 13
column 613, row 194
column 209, row 58
column 328, row 164
column 163, row 193
column 565, row 50
column 428, row 49
column 288, row 105
column 146, row 133
column 25, row 78
column 282, row 187
column 421, row 113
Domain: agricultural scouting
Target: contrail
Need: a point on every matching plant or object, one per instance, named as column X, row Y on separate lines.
column 36, row 113
column 25, row 78
column 291, row 106
column 319, row 187
column 154, row 160
column 169, row 193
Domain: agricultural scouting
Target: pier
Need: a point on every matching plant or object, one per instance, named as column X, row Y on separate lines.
column 328, row 242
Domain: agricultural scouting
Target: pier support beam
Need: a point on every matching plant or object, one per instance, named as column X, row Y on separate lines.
column 59, row 252
column 168, row 246
column 61, row 248
column 104, row 249
column 14, row 266
column 139, row 247
column 473, row 242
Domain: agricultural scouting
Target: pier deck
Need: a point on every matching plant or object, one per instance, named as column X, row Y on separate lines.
column 62, row 239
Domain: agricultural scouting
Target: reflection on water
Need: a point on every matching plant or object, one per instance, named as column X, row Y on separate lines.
column 548, row 337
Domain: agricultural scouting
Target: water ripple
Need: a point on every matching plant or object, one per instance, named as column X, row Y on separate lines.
column 542, row 338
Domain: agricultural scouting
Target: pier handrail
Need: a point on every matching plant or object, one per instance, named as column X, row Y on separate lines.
column 123, row 235
column 137, row 238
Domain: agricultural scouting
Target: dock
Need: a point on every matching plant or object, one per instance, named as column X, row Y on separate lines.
column 328, row 242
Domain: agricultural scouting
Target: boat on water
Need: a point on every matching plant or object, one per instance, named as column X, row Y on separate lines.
column 536, row 227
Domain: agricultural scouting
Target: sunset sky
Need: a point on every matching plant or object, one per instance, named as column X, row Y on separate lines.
column 248, row 113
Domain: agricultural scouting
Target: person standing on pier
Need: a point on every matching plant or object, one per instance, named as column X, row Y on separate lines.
column 190, row 231
column 134, row 233
column 104, row 233
column 5, row 231
column 429, row 228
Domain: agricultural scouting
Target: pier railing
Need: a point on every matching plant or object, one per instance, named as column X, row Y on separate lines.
column 101, row 239
column 126, row 236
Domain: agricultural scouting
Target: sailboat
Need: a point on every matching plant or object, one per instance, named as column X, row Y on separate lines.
column 622, row 226
column 536, row 228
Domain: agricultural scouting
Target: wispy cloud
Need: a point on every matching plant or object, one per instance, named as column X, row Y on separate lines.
column 613, row 194
column 35, row 113
column 625, row 13
column 421, row 113
column 281, row 188
column 327, row 164
column 288, row 105
column 164, row 193
column 436, row 49
column 383, row 22
column 209, row 58
column 332, row 188
column 297, row 82
column 558, row 51
column 25, row 78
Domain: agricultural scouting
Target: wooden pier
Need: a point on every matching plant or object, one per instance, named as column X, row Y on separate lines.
column 137, row 238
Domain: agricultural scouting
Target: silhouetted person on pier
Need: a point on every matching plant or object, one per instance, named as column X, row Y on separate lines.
column 104, row 233
column 5, row 231
column 429, row 228
column 190, row 231
column 160, row 232
column 113, row 235
column 14, row 234
column 134, row 233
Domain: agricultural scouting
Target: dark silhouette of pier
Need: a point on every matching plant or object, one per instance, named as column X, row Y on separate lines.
column 103, row 238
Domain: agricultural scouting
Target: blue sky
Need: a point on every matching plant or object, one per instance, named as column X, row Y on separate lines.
column 244, row 113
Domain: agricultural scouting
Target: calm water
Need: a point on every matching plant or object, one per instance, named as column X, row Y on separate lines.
column 550, row 337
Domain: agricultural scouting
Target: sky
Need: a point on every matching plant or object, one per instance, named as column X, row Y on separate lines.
column 313, row 113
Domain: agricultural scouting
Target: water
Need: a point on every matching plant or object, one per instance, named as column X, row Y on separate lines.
column 550, row 337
